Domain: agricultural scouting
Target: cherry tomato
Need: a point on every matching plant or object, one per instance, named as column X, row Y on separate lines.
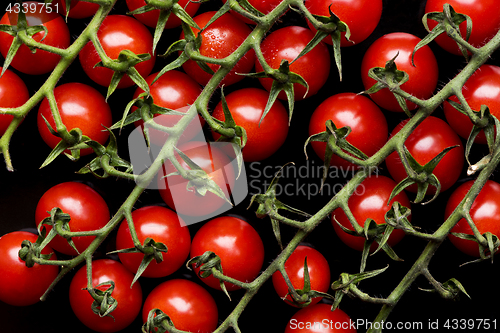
column 80, row 106
column 238, row 246
column 129, row 298
column 423, row 76
column 162, row 225
column 77, row 9
column 247, row 106
column 317, row 266
column 483, row 13
column 263, row 6
column 219, row 40
column 369, row 201
column 151, row 18
column 482, row 88
column 118, row 33
column 361, row 17
column 40, row 62
column 187, row 202
column 427, row 141
column 21, row 285
column 13, row 93
column 367, row 122
column 286, row 44
column 87, row 209
column 190, row 307
column 484, row 212
column 319, row 318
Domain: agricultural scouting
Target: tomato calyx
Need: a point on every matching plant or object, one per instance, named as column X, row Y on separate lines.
column 487, row 247
column 157, row 322
column 60, row 226
column 30, row 252
column 209, row 264
column 450, row 289
column 397, row 217
column 104, row 304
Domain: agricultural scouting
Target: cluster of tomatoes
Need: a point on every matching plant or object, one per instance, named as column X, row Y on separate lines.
column 379, row 32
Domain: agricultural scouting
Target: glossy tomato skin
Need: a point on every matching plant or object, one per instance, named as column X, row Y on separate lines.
column 118, row 33
column 362, row 17
column 87, row 209
column 173, row 188
column 163, row 226
column 319, row 318
column 423, row 76
column 40, row 62
column 485, row 212
column 78, row 9
column 237, row 244
column 369, row 201
column 427, row 141
column 21, row 285
column 219, row 40
column 80, row 106
column 190, row 307
column 151, row 18
column 317, row 266
column 13, row 93
column 482, row 88
column 286, row 44
column 247, row 106
column 483, row 13
column 368, row 125
column 129, row 298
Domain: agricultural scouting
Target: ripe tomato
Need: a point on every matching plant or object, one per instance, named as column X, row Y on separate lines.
column 118, row 33
column 484, row 212
column 162, row 225
column 77, row 9
column 190, row 307
column 367, row 122
column 40, row 62
column 317, row 266
column 369, row 201
column 263, row 6
column 21, row 285
column 151, row 18
column 482, row 88
column 423, row 76
column 87, row 209
column 427, row 141
column 187, row 202
column 238, row 246
column 247, row 106
column 13, row 93
column 361, row 17
column 129, row 298
column 320, row 318
column 219, row 40
column 286, row 44
column 483, row 13
column 80, row 106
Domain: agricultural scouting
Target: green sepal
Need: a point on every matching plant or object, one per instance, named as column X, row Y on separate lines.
column 30, row 250
column 208, row 262
column 105, row 304
column 484, row 252
column 58, row 220
column 157, row 322
column 397, row 217
column 452, row 286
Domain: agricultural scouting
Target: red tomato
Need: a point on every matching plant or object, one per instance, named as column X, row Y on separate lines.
column 361, row 17
column 118, row 33
column 247, row 106
column 13, row 93
column 151, row 18
column 87, row 209
column 317, row 266
column 423, row 76
column 162, row 225
column 320, row 318
column 129, row 298
column 483, row 13
column 482, row 88
column 286, row 44
column 40, row 62
column 485, row 212
column 238, row 246
column 21, row 285
column 190, row 307
column 173, row 188
column 427, row 141
column 367, row 122
column 369, row 201
column 263, row 6
column 219, row 40
column 77, row 9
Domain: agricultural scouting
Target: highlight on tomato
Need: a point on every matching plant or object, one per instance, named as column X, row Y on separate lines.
column 13, row 93
column 320, row 318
